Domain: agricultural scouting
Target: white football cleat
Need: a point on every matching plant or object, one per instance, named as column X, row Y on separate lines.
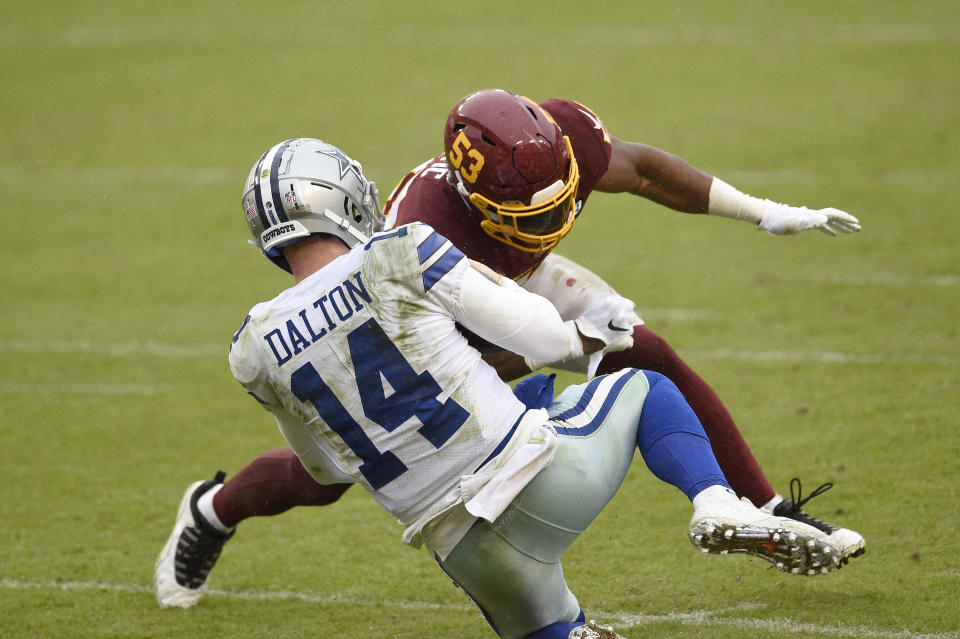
column 180, row 574
column 592, row 630
column 849, row 543
column 792, row 546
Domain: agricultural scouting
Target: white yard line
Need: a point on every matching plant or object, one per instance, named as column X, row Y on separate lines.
column 272, row 595
column 699, row 618
column 780, row 625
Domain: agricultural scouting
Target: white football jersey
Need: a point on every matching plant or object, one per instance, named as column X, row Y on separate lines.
column 370, row 379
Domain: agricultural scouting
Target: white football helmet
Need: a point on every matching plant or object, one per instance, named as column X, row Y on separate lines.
column 304, row 186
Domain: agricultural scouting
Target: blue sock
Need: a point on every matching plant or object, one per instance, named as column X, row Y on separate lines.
column 559, row 630
column 672, row 441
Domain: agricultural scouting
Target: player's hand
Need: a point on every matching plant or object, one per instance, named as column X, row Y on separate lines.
column 782, row 219
column 609, row 319
column 594, row 359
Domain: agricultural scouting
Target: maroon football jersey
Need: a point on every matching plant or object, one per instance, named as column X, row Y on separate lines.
column 425, row 195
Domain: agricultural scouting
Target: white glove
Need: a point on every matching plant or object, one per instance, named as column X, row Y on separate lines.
column 782, row 219
column 608, row 319
column 611, row 320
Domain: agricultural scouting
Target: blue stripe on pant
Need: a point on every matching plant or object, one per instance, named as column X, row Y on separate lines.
column 511, row 567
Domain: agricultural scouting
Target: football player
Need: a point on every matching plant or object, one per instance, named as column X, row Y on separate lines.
column 366, row 370
column 513, row 177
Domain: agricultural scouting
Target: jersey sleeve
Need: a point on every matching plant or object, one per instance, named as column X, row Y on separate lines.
column 588, row 137
column 511, row 317
column 425, row 264
column 438, row 258
column 501, row 313
column 429, row 267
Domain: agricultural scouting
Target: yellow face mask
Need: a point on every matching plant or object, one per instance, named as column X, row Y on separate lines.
column 534, row 228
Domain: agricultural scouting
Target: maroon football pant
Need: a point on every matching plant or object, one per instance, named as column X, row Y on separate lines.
column 272, row 483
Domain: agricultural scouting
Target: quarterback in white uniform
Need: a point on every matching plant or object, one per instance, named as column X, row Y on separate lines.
column 372, row 382
column 364, row 365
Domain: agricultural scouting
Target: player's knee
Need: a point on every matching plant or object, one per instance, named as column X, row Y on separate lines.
column 326, row 494
column 664, row 411
column 660, row 382
column 309, row 492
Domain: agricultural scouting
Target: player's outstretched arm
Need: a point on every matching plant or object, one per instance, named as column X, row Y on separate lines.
column 656, row 175
column 671, row 181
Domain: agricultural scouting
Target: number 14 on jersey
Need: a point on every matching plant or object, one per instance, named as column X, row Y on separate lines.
column 415, row 395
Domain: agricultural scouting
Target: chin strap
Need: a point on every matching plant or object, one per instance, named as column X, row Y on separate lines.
column 344, row 224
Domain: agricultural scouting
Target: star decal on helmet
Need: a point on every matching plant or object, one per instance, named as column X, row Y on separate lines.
column 346, row 164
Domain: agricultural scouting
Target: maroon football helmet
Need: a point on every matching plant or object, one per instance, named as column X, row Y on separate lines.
column 509, row 158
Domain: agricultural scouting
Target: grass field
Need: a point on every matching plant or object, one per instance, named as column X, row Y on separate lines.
column 127, row 133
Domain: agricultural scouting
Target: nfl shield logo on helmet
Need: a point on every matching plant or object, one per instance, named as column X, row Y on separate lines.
column 291, row 198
